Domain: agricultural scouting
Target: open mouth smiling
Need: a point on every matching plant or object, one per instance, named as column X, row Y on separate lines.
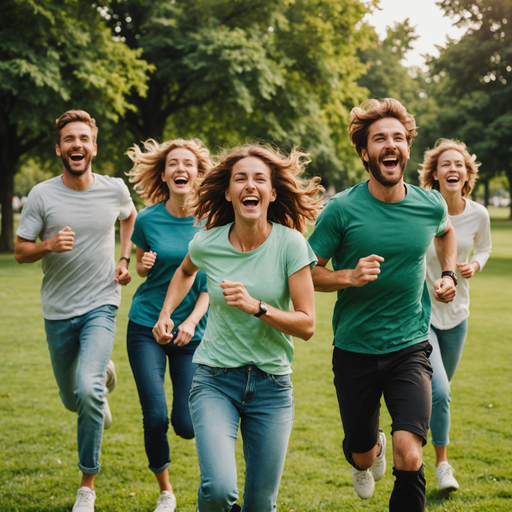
column 390, row 162
column 180, row 180
column 77, row 157
column 452, row 179
column 250, row 201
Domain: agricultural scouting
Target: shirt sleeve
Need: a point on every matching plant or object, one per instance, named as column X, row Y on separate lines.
column 32, row 217
column 298, row 253
column 201, row 281
column 483, row 243
column 138, row 236
column 126, row 205
column 328, row 233
column 194, row 250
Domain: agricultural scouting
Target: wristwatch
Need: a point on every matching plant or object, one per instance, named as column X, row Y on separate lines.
column 452, row 274
column 125, row 258
column 262, row 311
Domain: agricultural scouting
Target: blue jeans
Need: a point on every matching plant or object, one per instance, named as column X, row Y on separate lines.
column 220, row 399
column 447, row 350
column 80, row 349
column 148, row 360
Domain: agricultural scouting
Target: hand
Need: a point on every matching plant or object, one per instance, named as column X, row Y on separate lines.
column 467, row 270
column 63, row 240
column 148, row 260
column 236, row 295
column 444, row 289
column 185, row 332
column 121, row 274
column 367, row 269
column 162, row 331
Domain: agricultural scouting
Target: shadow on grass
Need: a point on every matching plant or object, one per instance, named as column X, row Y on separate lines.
column 437, row 497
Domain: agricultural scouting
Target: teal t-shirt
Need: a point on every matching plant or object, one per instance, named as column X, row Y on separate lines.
column 159, row 231
column 392, row 312
column 234, row 338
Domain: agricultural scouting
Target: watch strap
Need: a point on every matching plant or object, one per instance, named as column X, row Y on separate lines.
column 452, row 274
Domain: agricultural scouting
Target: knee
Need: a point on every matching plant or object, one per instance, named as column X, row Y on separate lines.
column 364, row 460
column 441, row 395
column 89, row 395
column 218, row 495
column 70, row 401
column 183, row 428
column 409, row 459
column 156, row 421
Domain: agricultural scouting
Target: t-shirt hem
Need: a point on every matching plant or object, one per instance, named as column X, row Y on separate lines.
column 263, row 368
column 81, row 312
column 374, row 352
column 450, row 325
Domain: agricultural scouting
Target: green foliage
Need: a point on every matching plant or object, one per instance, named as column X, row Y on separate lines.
column 55, row 56
column 229, row 71
column 38, row 435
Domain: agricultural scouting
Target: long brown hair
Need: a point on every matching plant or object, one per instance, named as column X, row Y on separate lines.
column 297, row 199
column 431, row 159
column 148, row 166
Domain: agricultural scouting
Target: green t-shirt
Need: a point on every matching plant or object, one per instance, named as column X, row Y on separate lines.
column 392, row 312
column 234, row 338
column 159, row 231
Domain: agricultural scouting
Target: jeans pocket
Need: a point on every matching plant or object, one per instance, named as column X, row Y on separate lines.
column 208, row 371
column 283, row 381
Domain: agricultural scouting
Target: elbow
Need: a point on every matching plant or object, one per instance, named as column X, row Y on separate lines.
column 308, row 331
column 18, row 257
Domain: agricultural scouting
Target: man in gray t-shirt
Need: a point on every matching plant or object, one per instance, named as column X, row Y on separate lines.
column 74, row 216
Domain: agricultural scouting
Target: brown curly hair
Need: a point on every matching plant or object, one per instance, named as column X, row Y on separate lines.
column 297, row 199
column 431, row 159
column 148, row 167
column 72, row 116
column 372, row 110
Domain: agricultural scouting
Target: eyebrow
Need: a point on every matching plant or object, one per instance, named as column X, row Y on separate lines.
column 382, row 134
column 176, row 159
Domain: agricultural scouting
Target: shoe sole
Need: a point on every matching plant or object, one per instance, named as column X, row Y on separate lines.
column 111, row 377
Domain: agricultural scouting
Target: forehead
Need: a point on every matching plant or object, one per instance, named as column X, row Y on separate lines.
column 451, row 154
column 250, row 165
column 386, row 125
column 76, row 128
column 181, row 154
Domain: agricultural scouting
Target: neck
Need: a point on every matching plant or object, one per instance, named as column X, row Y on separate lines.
column 455, row 202
column 392, row 194
column 175, row 205
column 82, row 182
column 245, row 237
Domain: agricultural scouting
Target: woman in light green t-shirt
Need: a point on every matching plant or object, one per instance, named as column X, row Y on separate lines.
column 255, row 208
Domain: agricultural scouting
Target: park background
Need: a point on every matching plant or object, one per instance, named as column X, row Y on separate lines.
column 283, row 71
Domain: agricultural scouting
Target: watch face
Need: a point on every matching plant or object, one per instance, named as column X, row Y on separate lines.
column 263, row 307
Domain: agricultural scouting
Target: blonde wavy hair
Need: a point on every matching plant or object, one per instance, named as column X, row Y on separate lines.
column 297, row 199
column 146, row 173
column 431, row 159
column 372, row 110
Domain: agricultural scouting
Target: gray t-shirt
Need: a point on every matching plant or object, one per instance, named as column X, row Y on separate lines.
column 80, row 280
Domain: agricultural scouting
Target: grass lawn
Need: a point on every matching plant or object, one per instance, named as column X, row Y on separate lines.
column 38, row 453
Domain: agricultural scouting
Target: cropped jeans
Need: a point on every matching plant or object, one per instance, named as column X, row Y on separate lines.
column 447, row 350
column 220, row 400
column 80, row 349
column 148, row 360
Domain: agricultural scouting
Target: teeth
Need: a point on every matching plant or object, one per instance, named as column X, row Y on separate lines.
column 250, row 198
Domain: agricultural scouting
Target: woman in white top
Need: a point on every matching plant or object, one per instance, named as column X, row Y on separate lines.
column 449, row 168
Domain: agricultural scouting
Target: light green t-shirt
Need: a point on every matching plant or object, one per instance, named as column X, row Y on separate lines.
column 234, row 338
column 392, row 312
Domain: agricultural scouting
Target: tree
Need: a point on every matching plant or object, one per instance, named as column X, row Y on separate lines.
column 476, row 92
column 55, row 56
column 232, row 70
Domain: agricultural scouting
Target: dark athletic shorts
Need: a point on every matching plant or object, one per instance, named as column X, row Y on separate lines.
column 404, row 378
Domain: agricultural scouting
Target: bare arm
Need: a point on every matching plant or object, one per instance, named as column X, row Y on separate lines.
column 187, row 329
column 145, row 261
column 179, row 286
column 446, row 250
column 122, row 276
column 30, row 251
column 299, row 323
column 325, row 280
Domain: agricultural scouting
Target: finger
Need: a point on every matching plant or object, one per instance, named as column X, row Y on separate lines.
column 374, row 257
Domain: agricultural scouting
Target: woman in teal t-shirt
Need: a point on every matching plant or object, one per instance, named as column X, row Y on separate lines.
column 164, row 175
column 256, row 260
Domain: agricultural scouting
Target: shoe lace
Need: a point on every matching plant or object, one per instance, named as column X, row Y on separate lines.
column 446, row 471
column 168, row 501
column 84, row 497
column 363, row 477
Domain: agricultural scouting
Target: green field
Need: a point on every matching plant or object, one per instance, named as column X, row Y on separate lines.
column 38, row 454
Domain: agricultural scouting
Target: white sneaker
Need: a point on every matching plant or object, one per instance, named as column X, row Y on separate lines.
column 364, row 484
column 166, row 502
column 111, row 378
column 107, row 415
column 379, row 466
column 85, row 498
column 445, row 478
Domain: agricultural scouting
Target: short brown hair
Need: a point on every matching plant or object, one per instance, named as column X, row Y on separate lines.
column 362, row 117
column 429, row 165
column 148, row 167
column 297, row 199
column 70, row 117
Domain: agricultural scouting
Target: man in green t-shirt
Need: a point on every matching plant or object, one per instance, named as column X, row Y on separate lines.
column 377, row 234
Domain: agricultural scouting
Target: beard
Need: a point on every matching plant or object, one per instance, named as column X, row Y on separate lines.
column 86, row 162
column 386, row 181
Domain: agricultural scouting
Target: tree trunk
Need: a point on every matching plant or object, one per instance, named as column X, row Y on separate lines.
column 508, row 173
column 6, row 193
column 486, row 192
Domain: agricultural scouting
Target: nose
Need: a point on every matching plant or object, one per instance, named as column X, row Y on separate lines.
column 390, row 143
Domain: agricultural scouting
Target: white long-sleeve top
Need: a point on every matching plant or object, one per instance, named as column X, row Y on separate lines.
column 473, row 229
